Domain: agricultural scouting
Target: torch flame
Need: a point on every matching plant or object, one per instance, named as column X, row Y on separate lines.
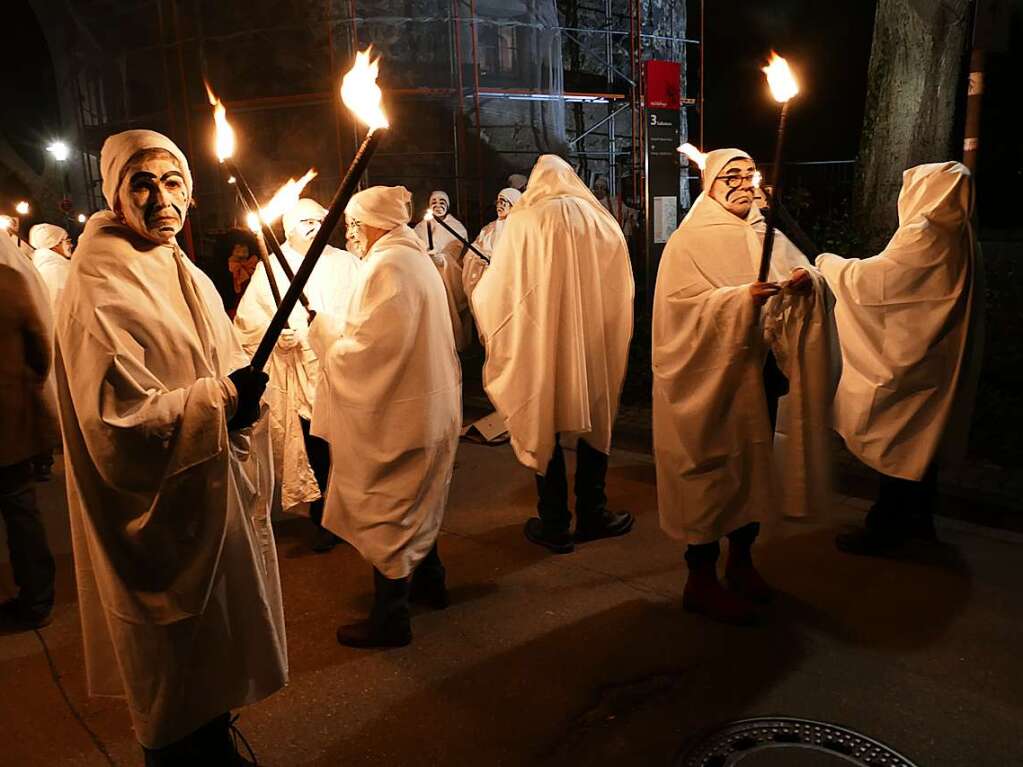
column 252, row 221
column 694, row 154
column 286, row 197
column 5, row 223
column 360, row 92
column 780, row 79
column 428, row 216
column 225, row 133
column 757, row 179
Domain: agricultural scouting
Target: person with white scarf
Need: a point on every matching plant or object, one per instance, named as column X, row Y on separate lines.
column 554, row 311
column 169, row 470
column 389, row 404
column 726, row 348
column 911, row 326
column 52, row 257
column 28, row 412
column 302, row 461
column 486, row 241
column 446, row 251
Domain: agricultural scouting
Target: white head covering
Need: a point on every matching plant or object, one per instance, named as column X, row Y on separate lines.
column 46, row 236
column 718, row 159
column 303, row 209
column 553, row 177
column 443, row 194
column 384, row 207
column 510, row 195
column 121, row 147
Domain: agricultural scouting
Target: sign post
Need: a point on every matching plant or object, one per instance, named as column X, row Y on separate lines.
column 662, row 102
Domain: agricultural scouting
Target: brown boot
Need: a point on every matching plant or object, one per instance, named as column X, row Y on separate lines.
column 704, row 594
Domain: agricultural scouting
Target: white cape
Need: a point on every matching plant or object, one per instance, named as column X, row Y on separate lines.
column 910, row 321
column 712, row 436
column 294, row 373
column 174, row 554
column 54, row 269
column 554, row 310
column 389, row 404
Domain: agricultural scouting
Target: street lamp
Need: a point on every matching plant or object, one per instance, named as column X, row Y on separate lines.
column 59, row 150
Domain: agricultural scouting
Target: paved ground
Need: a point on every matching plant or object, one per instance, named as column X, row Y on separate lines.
column 587, row 659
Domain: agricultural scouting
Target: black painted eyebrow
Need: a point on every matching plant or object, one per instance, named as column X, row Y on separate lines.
column 145, row 174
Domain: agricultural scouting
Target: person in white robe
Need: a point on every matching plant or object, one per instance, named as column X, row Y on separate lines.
column 28, row 413
column 301, row 460
column 486, row 241
column 911, row 326
column 389, row 404
column 726, row 348
column 554, row 311
column 169, row 470
column 447, row 253
column 52, row 257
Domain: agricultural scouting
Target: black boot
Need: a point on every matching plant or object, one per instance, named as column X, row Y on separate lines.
column 388, row 623
column 212, row 744
column 428, row 582
column 592, row 518
column 324, row 541
column 740, row 574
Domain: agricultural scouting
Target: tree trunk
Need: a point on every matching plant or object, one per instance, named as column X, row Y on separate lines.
column 916, row 66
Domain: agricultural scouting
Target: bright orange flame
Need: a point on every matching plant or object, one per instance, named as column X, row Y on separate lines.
column 224, row 142
column 286, row 197
column 780, row 78
column 252, row 221
column 360, row 92
column 694, row 154
column 757, row 179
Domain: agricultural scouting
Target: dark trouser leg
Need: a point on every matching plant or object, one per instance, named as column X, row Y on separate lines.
column 30, row 555
column 210, row 744
column 552, row 493
column 776, row 386
column 590, row 481
column 318, row 452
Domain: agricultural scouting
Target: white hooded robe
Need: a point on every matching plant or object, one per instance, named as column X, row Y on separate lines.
column 715, row 461
column 295, row 372
column 554, row 311
column 389, row 404
column 910, row 322
column 174, row 554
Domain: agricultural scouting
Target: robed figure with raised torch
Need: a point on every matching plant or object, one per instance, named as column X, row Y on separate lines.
column 742, row 387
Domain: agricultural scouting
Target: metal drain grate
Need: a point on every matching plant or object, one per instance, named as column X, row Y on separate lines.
column 774, row 739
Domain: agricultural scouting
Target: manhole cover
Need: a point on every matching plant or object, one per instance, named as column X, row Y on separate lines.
column 782, row 741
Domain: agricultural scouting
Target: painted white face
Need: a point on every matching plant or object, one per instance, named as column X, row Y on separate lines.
column 356, row 238
column 439, row 205
column 503, row 208
column 302, row 234
column 733, row 187
column 65, row 246
column 153, row 199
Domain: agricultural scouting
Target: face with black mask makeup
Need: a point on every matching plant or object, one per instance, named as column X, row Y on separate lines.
column 153, row 198
column 733, row 186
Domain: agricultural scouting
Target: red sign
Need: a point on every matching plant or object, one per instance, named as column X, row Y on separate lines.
column 663, row 85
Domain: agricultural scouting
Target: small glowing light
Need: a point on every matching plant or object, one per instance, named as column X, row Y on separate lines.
column 59, row 150
column 232, row 180
column 5, row 223
column 22, row 208
column 252, row 221
column 428, row 216
column 780, row 79
column 81, row 218
column 757, row 179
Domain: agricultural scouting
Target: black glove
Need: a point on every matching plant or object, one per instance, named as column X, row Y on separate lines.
column 250, row 384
